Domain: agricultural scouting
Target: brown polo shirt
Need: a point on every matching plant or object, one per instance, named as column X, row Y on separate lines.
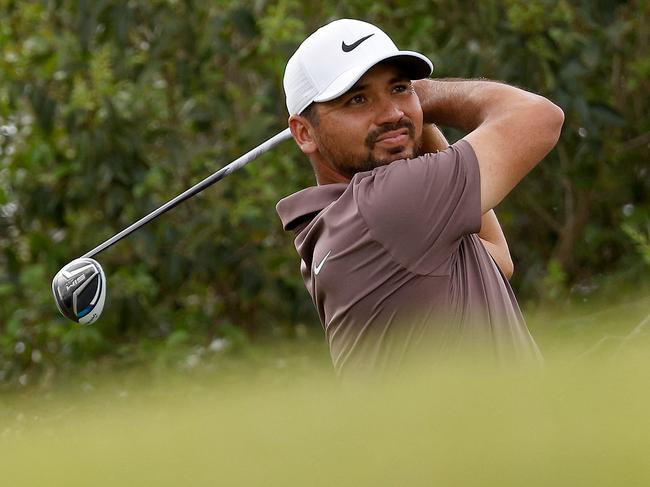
column 394, row 266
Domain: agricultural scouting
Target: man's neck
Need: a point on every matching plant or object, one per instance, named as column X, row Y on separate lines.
column 327, row 174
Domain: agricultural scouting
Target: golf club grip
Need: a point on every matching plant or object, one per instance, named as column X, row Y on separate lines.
column 197, row 188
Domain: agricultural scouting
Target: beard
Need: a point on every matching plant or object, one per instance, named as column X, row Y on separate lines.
column 350, row 162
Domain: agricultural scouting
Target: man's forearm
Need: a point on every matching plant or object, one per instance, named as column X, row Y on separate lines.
column 510, row 130
column 465, row 104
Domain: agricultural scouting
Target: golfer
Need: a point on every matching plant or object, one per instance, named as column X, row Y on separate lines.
column 400, row 249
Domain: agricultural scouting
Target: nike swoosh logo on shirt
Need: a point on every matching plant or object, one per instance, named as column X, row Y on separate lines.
column 320, row 266
column 354, row 45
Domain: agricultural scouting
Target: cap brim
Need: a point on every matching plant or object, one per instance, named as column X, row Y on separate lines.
column 415, row 65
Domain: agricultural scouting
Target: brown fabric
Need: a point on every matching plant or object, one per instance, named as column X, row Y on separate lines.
column 394, row 266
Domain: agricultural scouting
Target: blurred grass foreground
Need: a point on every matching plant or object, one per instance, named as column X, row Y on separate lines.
column 583, row 425
column 582, row 420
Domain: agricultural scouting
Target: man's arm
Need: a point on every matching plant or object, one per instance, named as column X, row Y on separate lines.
column 495, row 243
column 491, row 233
column 510, row 129
column 433, row 139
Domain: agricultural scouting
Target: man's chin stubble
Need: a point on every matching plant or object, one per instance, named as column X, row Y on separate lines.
column 402, row 152
column 371, row 162
column 394, row 154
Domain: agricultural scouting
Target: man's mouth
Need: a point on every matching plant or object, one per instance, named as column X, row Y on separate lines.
column 393, row 138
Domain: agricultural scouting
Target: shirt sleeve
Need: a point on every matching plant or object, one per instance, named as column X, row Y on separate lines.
column 419, row 209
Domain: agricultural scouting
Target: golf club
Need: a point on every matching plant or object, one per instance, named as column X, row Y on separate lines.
column 79, row 288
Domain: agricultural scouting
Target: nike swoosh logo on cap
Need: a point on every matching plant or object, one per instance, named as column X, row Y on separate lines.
column 354, row 45
column 320, row 266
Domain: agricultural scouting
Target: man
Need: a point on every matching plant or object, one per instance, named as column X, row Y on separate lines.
column 389, row 239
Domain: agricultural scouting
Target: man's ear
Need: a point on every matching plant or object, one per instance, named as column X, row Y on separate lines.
column 302, row 132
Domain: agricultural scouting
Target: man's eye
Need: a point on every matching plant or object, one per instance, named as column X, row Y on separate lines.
column 401, row 88
column 356, row 99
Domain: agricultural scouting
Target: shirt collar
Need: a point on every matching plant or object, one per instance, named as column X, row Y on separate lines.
column 294, row 208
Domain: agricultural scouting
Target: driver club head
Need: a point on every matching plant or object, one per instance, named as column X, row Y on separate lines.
column 79, row 290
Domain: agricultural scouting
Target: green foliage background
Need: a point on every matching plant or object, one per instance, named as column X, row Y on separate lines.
column 109, row 108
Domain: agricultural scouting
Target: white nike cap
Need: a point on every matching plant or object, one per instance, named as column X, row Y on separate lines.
column 333, row 58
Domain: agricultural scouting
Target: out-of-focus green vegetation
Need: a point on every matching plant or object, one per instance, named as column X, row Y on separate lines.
column 109, row 108
column 583, row 422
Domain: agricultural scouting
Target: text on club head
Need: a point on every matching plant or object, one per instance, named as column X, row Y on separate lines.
column 75, row 281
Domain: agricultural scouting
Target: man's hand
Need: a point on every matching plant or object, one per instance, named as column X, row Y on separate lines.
column 510, row 129
column 491, row 234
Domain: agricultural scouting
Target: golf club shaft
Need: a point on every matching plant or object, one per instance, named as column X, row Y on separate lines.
column 197, row 188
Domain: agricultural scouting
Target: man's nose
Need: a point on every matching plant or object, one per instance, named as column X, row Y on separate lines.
column 388, row 111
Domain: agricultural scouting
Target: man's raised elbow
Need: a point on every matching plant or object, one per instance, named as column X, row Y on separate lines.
column 551, row 117
column 557, row 120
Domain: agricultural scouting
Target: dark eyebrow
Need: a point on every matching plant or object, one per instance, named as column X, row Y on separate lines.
column 357, row 87
column 399, row 79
